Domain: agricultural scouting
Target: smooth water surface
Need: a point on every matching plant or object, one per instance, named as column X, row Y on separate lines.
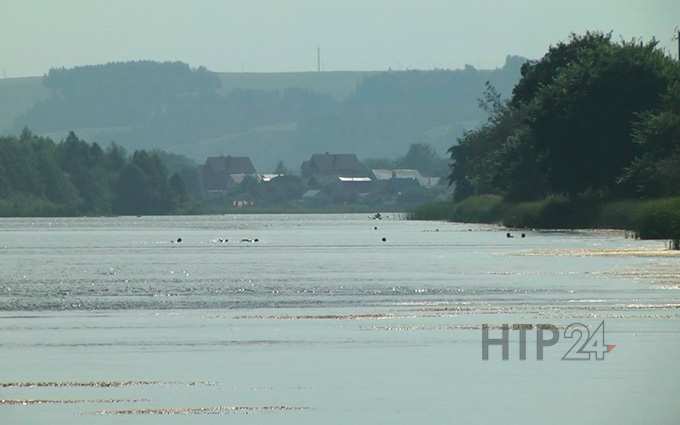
column 107, row 321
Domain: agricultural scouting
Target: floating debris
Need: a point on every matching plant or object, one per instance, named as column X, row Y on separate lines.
column 219, row 410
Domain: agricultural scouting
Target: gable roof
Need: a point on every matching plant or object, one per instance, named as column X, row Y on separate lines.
column 230, row 164
column 344, row 164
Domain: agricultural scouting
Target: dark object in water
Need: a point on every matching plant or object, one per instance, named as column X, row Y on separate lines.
column 508, row 235
column 524, row 235
column 375, row 227
column 377, row 216
column 384, row 239
column 179, row 240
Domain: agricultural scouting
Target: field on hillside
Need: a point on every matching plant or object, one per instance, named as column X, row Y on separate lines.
column 338, row 84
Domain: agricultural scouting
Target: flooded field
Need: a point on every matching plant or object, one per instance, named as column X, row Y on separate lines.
column 314, row 319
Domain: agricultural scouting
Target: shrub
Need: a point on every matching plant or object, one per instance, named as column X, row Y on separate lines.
column 433, row 211
column 480, row 209
column 620, row 214
column 659, row 219
column 554, row 212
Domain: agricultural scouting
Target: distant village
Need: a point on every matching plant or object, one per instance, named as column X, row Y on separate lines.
column 325, row 179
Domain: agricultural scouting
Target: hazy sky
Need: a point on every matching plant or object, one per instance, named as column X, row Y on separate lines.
column 282, row 35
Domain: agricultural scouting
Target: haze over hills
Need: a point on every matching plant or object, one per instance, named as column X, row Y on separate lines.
column 269, row 117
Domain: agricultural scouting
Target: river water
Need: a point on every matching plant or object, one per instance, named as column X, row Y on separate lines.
column 108, row 321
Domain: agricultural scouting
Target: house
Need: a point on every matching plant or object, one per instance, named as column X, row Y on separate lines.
column 403, row 176
column 328, row 168
column 222, row 173
column 342, row 176
column 266, row 178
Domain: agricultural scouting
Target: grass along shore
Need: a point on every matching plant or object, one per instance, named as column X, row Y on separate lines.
column 649, row 219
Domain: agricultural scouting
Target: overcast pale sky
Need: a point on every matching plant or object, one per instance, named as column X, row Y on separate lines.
column 282, row 35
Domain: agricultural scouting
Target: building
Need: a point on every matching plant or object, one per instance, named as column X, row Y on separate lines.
column 404, row 175
column 342, row 176
column 222, row 173
column 329, row 168
column 266, row 178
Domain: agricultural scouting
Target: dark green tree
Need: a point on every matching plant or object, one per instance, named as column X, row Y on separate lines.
column 583, row 121
column 424, row 158
column 133, row 192
column 281, row 168
column 179, row 196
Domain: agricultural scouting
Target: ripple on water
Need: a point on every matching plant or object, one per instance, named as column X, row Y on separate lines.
column 34, row 402
column 217, row 410
column 98, row 384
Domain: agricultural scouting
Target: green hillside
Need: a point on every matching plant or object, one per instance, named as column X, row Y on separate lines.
column 17, row 95
column 268, row 116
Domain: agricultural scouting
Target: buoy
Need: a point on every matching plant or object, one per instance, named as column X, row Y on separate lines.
column 384, row 239
column 523, row 235
column 375, row 227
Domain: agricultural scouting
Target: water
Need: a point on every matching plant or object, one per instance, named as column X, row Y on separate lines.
column 106, row 321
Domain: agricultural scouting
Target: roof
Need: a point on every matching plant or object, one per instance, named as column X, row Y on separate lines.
column 354, row 179
column 405, row 173
column 230, row 164
column 382, row 174
column 269, row 177
column 340, row 164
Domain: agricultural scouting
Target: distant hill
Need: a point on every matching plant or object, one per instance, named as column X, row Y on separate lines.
column 18, row 95
column 339, row 84
column 269, row 116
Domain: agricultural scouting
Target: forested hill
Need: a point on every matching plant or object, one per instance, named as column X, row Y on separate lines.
column 269, row 117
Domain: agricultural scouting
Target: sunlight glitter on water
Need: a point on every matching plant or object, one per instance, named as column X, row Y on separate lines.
column 320, row 319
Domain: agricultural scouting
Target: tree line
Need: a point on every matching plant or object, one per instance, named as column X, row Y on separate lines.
column 593, row 118
column 73, row 177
